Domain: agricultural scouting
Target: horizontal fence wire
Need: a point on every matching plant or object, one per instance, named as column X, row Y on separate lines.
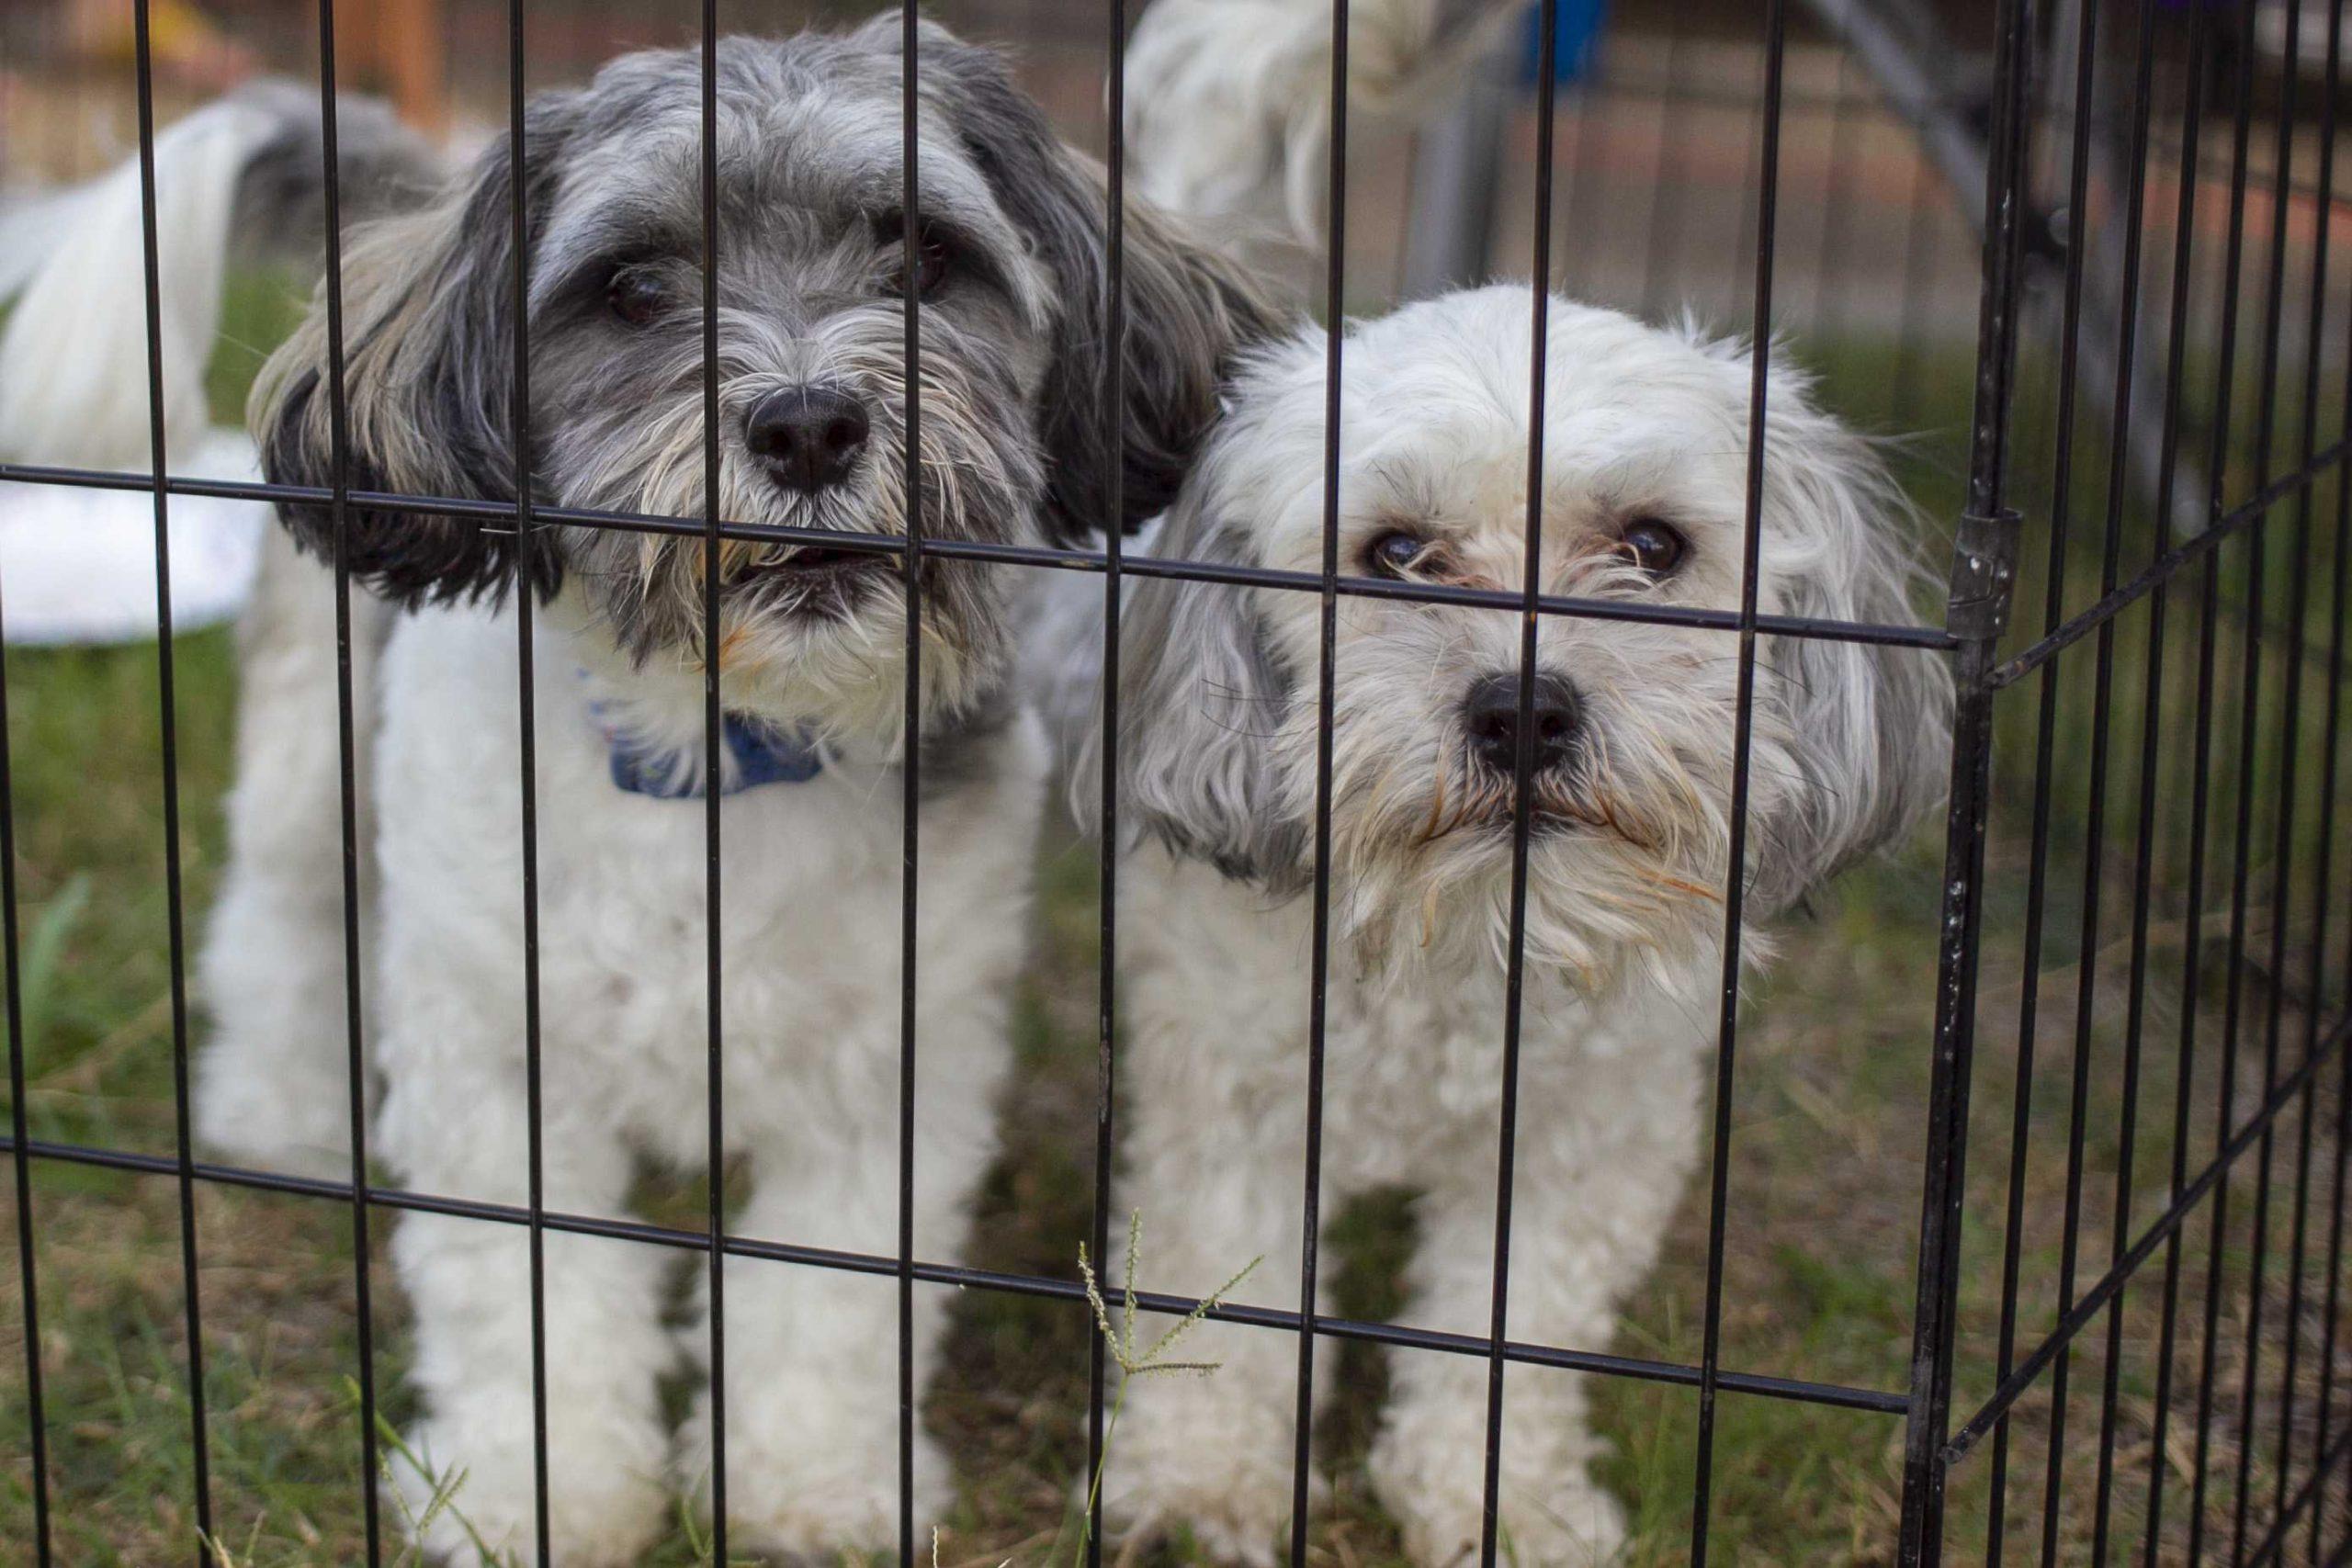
column 1821, row 627
column 2166, row 567
column 1798, row 1390
column 2085, row 1306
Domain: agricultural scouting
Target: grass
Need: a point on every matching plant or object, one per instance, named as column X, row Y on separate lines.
column 1829, row 1103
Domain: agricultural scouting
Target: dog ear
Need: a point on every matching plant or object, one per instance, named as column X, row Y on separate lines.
column 1187, row 308
column 1202, row 696
column 1873, row 722
column 428, row 376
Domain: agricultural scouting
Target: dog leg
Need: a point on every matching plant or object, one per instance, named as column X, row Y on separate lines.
column 1215, row 1451
column 812, row 1370
column 1594, row 1190
column 457, row 1129
column 273, row 1083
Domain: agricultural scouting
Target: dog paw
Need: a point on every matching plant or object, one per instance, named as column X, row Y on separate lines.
column 1565, row 1522
column 800, row 1485
column 471, row 1500
column 1233, row 1496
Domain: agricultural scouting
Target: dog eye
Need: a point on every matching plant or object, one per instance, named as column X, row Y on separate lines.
column 1394, row 553
column 634, row 296
column 934, row 258
column 931, row 265
column 1655, row 548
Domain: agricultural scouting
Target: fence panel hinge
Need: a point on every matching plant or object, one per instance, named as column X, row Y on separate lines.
column 1984, row 574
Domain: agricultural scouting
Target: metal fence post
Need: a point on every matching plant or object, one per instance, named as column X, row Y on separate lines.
column 1984, row 575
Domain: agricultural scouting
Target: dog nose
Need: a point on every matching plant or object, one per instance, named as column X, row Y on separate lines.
column 808, row 435
column 1491, row 715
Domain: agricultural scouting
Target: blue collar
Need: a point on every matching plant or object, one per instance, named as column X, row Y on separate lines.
column 757, row 753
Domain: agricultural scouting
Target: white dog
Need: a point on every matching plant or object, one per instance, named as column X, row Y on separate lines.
column 815, row 281
column 1645, row 456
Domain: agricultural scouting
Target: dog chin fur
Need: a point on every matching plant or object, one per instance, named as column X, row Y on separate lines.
column 811, row 290
column 1628, row 862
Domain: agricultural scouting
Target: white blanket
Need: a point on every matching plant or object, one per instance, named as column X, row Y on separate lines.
column 78, row 565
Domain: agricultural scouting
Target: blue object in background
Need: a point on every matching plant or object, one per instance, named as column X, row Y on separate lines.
column 1579, row 24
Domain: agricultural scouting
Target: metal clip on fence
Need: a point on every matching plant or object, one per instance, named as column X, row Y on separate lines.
column 1984, row 573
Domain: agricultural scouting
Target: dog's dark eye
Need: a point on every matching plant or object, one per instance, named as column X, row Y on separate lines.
column 1394, row 553
column 932, row 263
column 934, row 260
column 1655, row 548
column 634, row 296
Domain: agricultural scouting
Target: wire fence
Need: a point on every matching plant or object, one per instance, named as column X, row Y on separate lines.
column 2124, row 1339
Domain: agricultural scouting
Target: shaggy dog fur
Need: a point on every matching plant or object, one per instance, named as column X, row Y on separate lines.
column 1016, row 447
column 1645, row 462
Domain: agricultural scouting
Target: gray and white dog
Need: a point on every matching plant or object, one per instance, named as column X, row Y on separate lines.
column 1017, row 447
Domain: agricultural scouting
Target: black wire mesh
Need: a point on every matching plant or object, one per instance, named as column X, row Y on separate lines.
column 2086, row 276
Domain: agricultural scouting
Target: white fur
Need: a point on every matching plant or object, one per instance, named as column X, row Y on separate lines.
column 1623, row 931
column 1229, row 101
column 1213, row 979
column 73, row 357
column 810, row 1010
column 813, row 872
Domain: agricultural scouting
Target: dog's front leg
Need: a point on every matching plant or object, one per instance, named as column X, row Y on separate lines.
column 1598, row 1176
column 812, row 1352
column 1215, row 1167
column 453, row 1124
column 272, row 1086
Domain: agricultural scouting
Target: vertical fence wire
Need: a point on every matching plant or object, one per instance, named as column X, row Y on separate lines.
column 168, row 701
column 2283, row 850
column 1115, row 371
column 346, row 736
column 2209, row 612
column 1919, row 272
column 1982, row 568
column 1743, row 720
column 2324, row 861
column 911, row 779
column 2185, row 1056
column 527, row 700
column 2265, row 423
column 19, row 1133
column 1662, row 230
column 2085, row 107
column 1593, row 115
column 714, row 759
column 1326, row 676
column 1830, row 295
column 1523, row 767
column 2117, row 476
column 2143, row 853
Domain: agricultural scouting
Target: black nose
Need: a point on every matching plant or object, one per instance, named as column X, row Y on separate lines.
column 1490, row 715
column 809, row 437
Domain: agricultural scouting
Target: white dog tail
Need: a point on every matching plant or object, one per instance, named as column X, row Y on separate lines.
column 1229, row 101
column 245, row 171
